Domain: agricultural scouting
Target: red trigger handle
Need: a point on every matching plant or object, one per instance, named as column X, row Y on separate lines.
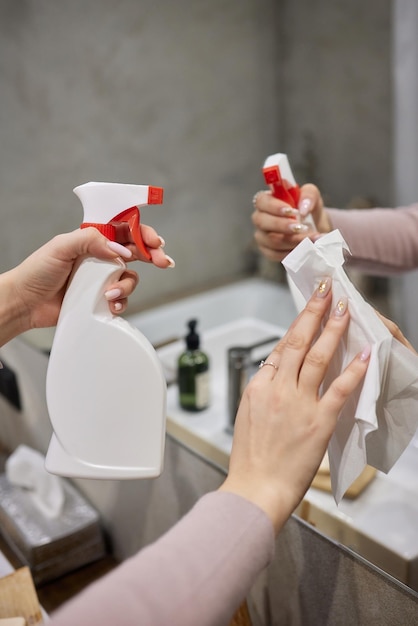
column 132, row 217
column 280, row 187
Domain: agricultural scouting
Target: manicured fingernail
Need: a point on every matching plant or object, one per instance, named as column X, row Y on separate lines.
column 113, row 294
column 125, row 253
column 171, row 262
column 305, row 206
column 323, row 287
column 117, row 306
column 162, row 241
column 365, row 353
column 288, row 211
column 298, row 228
column 255, row 197
column 341, row 307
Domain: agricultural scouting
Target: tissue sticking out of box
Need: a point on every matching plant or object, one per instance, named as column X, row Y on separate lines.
column 26, row 468
column 50, row 546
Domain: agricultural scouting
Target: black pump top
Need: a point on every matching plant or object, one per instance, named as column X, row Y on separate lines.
column 192, row 339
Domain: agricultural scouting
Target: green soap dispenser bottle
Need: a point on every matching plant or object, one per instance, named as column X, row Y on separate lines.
column 193, row 373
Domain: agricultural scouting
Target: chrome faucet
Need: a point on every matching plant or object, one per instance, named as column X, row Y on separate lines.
column 241, row 367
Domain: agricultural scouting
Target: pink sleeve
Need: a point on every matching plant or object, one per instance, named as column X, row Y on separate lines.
column 381, row 241
column 197, row 573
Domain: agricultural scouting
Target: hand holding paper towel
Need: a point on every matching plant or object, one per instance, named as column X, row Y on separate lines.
column 26, row 468
column 380, row 419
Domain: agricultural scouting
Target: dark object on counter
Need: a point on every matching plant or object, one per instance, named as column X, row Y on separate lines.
column 193, row 373
column 9, row 387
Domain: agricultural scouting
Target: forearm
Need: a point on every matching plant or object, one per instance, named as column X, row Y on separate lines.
column 198, row 573
column 13, row 318
column 381, row 241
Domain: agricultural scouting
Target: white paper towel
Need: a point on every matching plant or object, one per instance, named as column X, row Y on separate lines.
column 380, row 419
column 25, row 468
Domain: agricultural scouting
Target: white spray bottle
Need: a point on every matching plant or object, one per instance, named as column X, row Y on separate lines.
column 106, row 391
column 279, row 177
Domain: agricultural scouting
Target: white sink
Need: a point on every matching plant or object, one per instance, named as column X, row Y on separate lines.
column 249, row 298
column 238, row 314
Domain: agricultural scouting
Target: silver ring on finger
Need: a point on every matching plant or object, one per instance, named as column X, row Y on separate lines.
column 264, row 363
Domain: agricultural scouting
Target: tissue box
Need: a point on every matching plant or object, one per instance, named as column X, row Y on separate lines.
column 50, row 547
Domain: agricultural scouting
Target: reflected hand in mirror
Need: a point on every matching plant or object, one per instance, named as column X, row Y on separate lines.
column 396, row 332
column 276, row 230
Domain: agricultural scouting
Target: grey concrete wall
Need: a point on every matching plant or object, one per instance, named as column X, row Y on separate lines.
column 191, row 96
column 336, row 112
column 164, row 93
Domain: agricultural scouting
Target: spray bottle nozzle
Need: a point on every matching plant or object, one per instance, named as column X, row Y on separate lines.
column 279, row 177
column 281, row 188
column 155, row 195
column 107, row 205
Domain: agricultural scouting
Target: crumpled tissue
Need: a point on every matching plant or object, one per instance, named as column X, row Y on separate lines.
column 381, row 417
column 25, row 468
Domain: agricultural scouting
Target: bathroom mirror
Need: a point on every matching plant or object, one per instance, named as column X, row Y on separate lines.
column 194, row 102
column 384, row 71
